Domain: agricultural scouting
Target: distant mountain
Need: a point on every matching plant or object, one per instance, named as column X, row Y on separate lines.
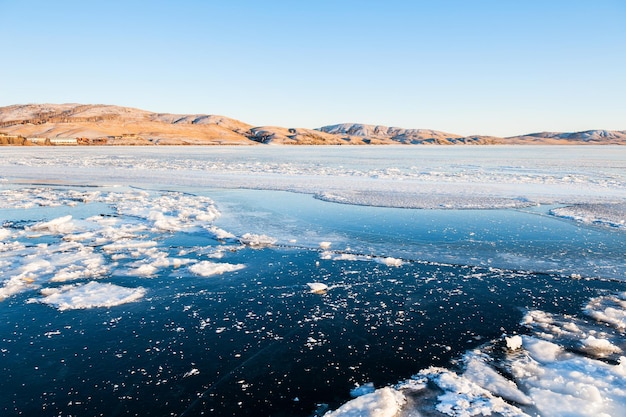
column 397, row 134
column 115, row 125
column 588, row 136
column 384, row 134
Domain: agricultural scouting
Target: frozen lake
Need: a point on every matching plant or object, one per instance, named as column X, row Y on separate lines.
column 286, row 281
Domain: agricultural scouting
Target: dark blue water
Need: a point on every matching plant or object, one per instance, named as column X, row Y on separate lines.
column 262, row 344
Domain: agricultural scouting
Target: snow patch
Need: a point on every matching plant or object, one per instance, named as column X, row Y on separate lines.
column 208, row 268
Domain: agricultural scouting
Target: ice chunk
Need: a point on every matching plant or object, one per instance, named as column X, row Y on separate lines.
column 220, row 234
column 384, row 402
column 567, row 384
column 165, row 223
column 208, row 268
column 325, row 245
column 389, row 261
column 613, row 215
column 192, row 372
column 462, row 397
column 257, row 241
column 144, row 270
column 541, row 350
column 13, row 286
column 4, row 233
column 514, row 342
column 317, row 287
column 90, row 295
column 599, row 347
column 61, row 225
column 609, row 309
column 127, row 244
column 344, row 256
column 479, row 372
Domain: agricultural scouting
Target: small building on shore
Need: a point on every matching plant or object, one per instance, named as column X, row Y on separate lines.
column 37, row 141
column 63, row 141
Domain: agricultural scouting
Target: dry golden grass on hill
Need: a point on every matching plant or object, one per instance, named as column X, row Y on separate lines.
column 115, row 125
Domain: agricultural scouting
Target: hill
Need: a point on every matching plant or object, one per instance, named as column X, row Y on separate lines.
column 115, row 125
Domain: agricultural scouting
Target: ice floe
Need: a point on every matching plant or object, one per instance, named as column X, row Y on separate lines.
column 317, row 287
column 562, row 383
column 61, row 225
column 609, row 309
column 257, row 240
column 462, row 397
column 346, row 256
column 208, row 268
column 604, row 214
column 389, row 261
column 90, row 295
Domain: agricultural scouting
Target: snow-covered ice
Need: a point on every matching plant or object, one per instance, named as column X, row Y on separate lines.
column 208, row 268
column 90, row 295
column 406, row 176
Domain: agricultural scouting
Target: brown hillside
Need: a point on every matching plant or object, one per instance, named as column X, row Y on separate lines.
column 46, row 124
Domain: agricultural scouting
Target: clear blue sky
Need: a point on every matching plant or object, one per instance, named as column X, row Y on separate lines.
column 501, row 67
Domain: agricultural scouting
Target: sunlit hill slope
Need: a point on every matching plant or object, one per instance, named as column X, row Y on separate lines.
column 79, row 124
